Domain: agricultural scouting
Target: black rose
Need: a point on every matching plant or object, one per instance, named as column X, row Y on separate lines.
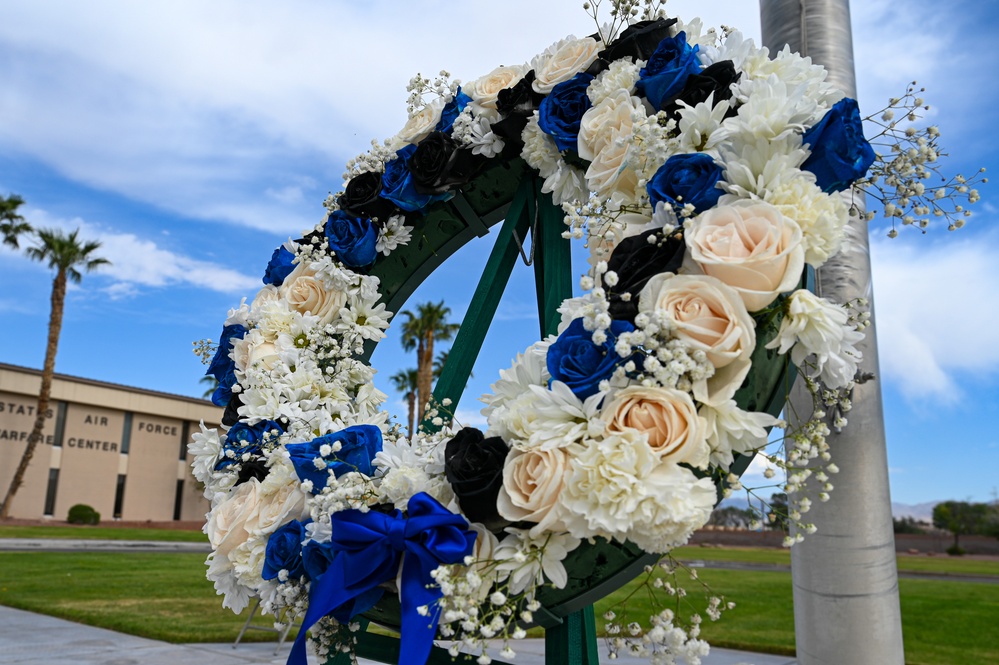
column 473, row 465
column 231, row 416
column 360, row 197
column 636, row 260
column 717, row 79
column 253, row 469
column 438, row 164
column 519, row 99
column 639, row 41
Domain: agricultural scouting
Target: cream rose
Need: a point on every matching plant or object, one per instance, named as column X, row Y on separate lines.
column 304, row 292
column 610, row 175
column 750, row 246
column 532, row 483
column 484, row 91
column 421, row 123
column 226, row 526
column 711, row 317
column 669, row 419
column 277, row 508
column 563, row 60
column 605, row 122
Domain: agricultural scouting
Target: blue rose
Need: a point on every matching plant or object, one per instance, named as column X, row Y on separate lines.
column 451, row 111
column 399, row 188
column 666, row 73
column 284, row 551
column 579, row 363
column 358, row 446
column 353, row 239
column 242, row 438
column 222, row 367
column 316, row 559
column 840, row 153
column 279, row 267
column 562, row 110
column 686, row 178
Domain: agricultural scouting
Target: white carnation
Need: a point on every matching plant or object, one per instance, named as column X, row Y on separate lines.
column 813, row 326
column 822, row 218
column 621, row 75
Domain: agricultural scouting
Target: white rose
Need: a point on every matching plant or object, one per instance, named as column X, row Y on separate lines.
column 532, row 483
column 226, row 525
column 484, row 91
column 750, row 246
column 711, row 317
column 667, row 417
column 604, row 122
column 304, row 292
column 421, row 123
column 563, row 60
column 610, row 175
column 278, row 508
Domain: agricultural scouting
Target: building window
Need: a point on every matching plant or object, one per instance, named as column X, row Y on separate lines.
column 119, row 496
column 178, row 500
column 50, row 492
column 60, row 424
column 185, row 435
column 126, row 433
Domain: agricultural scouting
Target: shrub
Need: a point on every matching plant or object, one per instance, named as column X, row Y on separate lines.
column 954, row 550
column 81, row 513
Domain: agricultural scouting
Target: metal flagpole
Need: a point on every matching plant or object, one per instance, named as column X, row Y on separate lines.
column 846, row 607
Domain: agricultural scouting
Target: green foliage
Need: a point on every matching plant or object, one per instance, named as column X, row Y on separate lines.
column 908, row 525
column 81, row 513
column 961, row 519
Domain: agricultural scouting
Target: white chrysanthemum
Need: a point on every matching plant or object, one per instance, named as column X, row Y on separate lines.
column 205, row 448
column 701, row 126
column 393, row 234
column 365, row 320
column 561, row 418
column 732, row 431
column 761, row 166
column 675, row 503
column 235, row 595
column 477, row 132
column 530, row 560
column 813, row 326
column 621, row 75
column 607, row 478
column 529, row 369
column 822, row 218
column 567, row 184
column 696, row 33
column 770, row 109
column 540, row 151
column 736, row 48
column 795, row 70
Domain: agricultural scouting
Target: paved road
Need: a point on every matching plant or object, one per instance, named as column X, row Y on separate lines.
column 35, row 639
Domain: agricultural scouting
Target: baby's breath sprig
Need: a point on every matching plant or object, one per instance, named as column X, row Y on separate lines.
column 901, row 178
column 623, row 12
column 422, row 89
column 205, row 350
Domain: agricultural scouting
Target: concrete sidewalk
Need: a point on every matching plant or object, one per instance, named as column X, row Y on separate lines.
column 35, row 639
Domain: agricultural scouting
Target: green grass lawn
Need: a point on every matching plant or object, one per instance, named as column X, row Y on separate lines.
column 101, row 533
column 941, row 565
column 166, row 597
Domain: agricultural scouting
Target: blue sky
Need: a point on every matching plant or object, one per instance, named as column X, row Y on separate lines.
column 192, row 138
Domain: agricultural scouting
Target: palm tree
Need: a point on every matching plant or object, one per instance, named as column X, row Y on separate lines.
column 405, row 381
column 419, row 332
column 12, row 225
column 67, row 255
column 212, row 384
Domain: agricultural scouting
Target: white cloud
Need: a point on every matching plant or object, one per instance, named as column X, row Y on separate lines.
column 937, row 303
column 136, row 262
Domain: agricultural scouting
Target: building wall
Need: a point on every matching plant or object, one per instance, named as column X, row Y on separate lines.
column 120, row 450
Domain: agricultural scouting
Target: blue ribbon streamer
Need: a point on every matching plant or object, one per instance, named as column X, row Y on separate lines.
column 368, row 549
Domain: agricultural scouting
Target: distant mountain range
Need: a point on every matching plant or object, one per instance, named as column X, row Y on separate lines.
column 922, row 512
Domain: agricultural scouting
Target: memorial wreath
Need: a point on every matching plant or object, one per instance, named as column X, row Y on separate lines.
column 707, row 177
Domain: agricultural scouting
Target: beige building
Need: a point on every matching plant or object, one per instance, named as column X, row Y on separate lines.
column 120, row 450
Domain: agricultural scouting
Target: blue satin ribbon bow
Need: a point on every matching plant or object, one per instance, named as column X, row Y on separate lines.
column 368, row 548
